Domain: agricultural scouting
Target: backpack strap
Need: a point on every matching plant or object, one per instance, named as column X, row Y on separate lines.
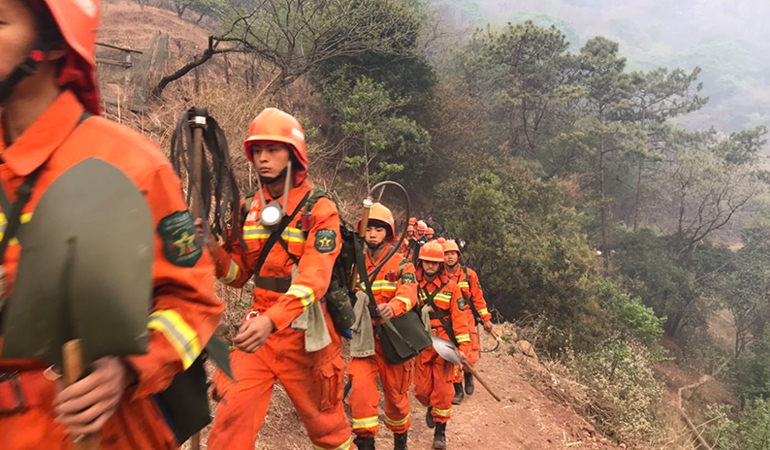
column 401, row 267
column 471, row 303
column 246, row 206
column 444, row 319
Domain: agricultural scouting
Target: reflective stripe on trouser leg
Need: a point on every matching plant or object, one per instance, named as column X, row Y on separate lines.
column 443, row 392
column 396, row 380
column 364, row 396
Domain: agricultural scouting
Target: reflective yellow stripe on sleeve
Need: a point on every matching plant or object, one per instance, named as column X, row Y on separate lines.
column 483, row 311
column 463, row 338
column 181, row 336
column 232, row 273
column 303, row 293
column 406, row 301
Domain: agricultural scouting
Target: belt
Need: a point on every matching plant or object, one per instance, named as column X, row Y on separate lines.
column 439, row 314
column 280, row 284
column 20, row 390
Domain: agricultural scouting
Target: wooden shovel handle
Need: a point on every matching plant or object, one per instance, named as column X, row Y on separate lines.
column 481, row 380
column 72, row 355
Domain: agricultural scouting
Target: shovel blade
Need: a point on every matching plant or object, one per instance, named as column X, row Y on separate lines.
column 446, row 350
column 85, row 269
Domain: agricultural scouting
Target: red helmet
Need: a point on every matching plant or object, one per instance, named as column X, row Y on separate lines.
column 380, row 213
column 413, row 221
column 78, row 21
column 274, row 125
column 432, row 251
column 441, row 240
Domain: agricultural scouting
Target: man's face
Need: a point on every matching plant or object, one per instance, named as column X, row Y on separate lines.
column 430, row 267
column 451, row 258
column 18, row 31
column 270, row 158
column 410, row 234
column 375, row 235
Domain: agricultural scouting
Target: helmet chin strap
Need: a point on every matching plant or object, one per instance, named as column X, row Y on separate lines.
column 26, row 68
column 375, row 246
column 272, row 214
column 271, row 180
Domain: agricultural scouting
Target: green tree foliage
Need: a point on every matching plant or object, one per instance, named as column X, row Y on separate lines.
column 513, row 216
column 409, row 76
column 377, row 142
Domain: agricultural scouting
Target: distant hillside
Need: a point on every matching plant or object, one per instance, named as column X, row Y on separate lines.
column 729, row 40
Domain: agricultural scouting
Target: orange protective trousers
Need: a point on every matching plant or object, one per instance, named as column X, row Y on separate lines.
column 475, row 353
column 313, row 381
column 433, row 379
column 365, row 398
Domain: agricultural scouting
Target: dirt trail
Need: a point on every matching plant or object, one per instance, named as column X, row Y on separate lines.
column 526, row 419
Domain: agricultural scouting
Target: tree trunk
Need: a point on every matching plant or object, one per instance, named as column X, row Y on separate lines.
column 672, row 324
column 603, row 207
column 227, row 70
column 638, row 194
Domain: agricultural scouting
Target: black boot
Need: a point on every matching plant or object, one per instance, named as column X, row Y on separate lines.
column 469, row 388
column 429, row 418
column 364, row 443
column 439, row 436
column 459, row 395
column 399, row 441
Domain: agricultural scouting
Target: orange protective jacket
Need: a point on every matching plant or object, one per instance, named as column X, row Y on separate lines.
column 449, row 299
column 185, row 312
column 316, row 253
column 395, row 284
column 472, row 290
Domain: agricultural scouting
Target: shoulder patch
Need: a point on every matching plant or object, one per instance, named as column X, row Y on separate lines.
column 179, row 244
column 325, row 240
column 408, row 278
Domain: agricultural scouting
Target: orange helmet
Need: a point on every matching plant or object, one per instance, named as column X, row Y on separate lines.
column 421, row 226
column 430, row 232
column 451, row 246
column 77, row 21
column 410, row 229
column 441, row 240
column 413, row 221
column 274, row 125
column 380, row 213
column 432, row 251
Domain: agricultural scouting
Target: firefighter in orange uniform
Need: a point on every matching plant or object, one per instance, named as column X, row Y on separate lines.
column 434, row 375
column 430, row 234
column 477, row 311
column 395, row 290
column 407, row 240
column 291, row 277
column 50, row 115
column 420, row 230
